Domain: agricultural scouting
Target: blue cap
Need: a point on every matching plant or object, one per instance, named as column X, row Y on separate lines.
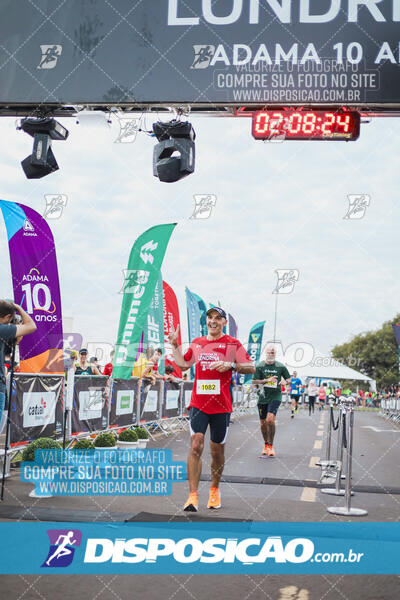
column 219, row 311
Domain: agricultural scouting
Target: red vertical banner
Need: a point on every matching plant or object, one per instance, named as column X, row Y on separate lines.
column 171, row 319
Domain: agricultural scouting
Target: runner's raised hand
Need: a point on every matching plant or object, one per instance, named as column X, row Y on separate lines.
column 173, row 336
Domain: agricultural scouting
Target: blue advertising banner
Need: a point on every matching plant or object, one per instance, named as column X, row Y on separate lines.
column 196, row 318
column 396, row 331
column 203, row 314
column 193, row 315
column 203, row 548
column 232, row 326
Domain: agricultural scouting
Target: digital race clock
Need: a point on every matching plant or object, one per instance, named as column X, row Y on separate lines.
column 294, row 124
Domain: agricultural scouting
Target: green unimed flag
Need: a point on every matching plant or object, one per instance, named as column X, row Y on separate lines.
column 144, row 267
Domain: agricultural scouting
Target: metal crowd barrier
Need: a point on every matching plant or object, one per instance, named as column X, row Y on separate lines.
column 390, row 409
column 332, row 469
column 88, row 405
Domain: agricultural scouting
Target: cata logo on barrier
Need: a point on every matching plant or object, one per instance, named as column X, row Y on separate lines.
column 62, row 547
column 38, row 408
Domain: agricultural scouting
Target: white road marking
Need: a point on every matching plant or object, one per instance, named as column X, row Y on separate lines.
column 313, row 460
column 379, row 430
column 317, row 445
column 308, row 494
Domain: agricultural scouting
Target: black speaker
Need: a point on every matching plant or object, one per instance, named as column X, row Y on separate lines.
column 173, row 159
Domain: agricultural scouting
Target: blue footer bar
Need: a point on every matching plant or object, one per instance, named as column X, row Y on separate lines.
column 209, row 548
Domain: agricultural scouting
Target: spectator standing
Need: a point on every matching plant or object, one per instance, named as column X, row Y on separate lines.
column 321, row 396
column 83, row 367
column 109, row 366
column 312, row 394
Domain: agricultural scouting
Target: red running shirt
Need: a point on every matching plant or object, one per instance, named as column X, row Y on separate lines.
column 108, row 369
column 211, row 389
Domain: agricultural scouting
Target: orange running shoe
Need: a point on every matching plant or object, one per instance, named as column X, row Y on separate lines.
column 192, row 503
column 271, row 451
column 214, row 500
column 265, row 451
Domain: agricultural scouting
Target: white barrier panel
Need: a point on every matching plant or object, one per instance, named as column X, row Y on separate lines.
column 36, row 408
column 186, row 396
column 171, row 399
column 90, row 408
column 123, row 405
column 149, row 402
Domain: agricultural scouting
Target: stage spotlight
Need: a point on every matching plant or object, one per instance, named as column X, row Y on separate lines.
column 174, row 155
column 42, row 160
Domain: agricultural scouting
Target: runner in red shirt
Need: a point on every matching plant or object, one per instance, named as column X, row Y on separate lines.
column 216, row 356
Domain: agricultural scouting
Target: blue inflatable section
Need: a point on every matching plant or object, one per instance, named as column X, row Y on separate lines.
column 14, row 217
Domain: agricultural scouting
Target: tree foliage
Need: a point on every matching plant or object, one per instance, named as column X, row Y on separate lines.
column 373, row 353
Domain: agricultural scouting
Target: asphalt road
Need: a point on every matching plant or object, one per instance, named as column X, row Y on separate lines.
column 284, row 488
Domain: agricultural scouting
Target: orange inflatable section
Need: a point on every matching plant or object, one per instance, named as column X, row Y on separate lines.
column 51, row 361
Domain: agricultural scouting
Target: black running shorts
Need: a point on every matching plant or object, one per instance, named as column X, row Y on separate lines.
column 219, row 423
column 271, row 407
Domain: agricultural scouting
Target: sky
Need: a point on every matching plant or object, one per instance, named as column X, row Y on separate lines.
column 278, row 206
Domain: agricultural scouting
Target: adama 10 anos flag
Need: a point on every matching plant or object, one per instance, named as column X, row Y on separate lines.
column 36, row 287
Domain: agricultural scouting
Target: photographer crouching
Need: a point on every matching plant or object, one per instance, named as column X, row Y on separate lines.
column 9, row 331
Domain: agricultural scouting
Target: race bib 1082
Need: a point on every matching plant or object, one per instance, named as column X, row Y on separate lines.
column 208, row 386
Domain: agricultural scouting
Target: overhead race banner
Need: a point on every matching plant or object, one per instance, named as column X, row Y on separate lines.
column 231, row 51
column 154, row 331
column 254, row 345
column 171, row 320
column 36, row 287
column 144, row 267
